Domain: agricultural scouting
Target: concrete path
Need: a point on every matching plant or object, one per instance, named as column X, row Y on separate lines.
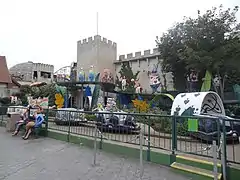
column 44, row 158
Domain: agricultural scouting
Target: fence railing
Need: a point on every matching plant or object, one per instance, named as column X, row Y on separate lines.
column 164, row 132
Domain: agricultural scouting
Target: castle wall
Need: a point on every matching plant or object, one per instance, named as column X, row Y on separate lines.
column 96, row 51
column 144, row 62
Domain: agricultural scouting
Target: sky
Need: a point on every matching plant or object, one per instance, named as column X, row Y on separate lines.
column 47, row 31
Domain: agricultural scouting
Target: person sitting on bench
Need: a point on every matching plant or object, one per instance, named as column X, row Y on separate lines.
column 27, row 116
column 34, row 124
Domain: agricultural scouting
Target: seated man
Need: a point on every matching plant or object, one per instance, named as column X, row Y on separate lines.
column 27, row 116
column 34, row 124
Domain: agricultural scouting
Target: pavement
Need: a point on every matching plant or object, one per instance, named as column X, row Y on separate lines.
column 45, row 158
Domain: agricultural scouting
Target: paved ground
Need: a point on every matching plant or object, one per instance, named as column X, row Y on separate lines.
column 46, row 158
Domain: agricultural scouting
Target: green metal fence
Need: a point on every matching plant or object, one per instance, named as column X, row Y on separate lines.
column 169, row 133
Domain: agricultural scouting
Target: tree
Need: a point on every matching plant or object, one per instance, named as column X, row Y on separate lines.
column 126, row 71
column 48, row 90
column 208, row 42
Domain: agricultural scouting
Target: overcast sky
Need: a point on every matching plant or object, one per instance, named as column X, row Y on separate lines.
column 47, row 31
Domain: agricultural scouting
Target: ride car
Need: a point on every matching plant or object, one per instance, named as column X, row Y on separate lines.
column 69, row 116
column 210, row 128
column 116, row 121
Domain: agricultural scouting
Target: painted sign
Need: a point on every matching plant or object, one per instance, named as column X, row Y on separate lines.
column 43, row 102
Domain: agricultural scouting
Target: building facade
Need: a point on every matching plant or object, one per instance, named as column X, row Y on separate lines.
column 149, row 66
column 33, row 72
column 8, row 86
column 102, row 53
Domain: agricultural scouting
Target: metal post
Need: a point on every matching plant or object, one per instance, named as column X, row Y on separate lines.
column 149, row 142
column 69, row 126
column 223, row 158
column 141, row 152
column 46, row 121
column 174, row 133
column 95, row 146
column 215, row 168
column 101, row 136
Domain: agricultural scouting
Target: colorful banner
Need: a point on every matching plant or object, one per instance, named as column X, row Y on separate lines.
column 43, row 102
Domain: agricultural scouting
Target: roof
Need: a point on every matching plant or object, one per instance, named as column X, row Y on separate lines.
column 4, row 73
column 14, row 81
column 23, row 83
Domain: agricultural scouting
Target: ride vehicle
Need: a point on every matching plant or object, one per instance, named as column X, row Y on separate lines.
column 69, row 116
column 17, row 109
column 208, row 108
column 116, row 121
column 211, row 126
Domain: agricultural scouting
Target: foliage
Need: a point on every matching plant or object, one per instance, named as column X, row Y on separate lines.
column 48, row 90
column 208, row 42
column 164, row 124
column 158, row 97
column 91, row 117
column 161, row 124
column 25, row 89
column 233, row 110
column 126, row 71
column 5, row 101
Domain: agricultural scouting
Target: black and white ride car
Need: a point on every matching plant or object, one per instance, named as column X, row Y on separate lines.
column 116, row 122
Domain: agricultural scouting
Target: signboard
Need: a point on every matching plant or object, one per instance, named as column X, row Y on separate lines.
column 192, row 125
column 43, row 102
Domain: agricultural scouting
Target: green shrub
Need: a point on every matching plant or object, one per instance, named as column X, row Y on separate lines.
column 5, row 101
column 91, row 117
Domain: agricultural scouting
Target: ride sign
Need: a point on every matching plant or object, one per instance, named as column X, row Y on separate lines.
column 192, row 125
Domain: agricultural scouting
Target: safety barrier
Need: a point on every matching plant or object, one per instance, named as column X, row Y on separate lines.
column 157, row 131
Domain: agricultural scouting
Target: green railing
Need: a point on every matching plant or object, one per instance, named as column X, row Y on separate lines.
column 162, row 132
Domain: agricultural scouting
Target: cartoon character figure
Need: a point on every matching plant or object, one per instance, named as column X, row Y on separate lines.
column 155, row 81
column 107, row 76
column 193, row 80
column 14, row 99
column 138, row 88
column 91, row 75
column 124, row 83
column 216, row 81
column 81, row 75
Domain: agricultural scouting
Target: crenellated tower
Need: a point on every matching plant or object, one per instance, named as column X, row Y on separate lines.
column 97, row 51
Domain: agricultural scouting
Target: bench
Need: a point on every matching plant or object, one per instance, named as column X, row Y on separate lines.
column 37, row 131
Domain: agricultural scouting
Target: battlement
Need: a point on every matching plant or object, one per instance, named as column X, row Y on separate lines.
column 95, row 39
column 139, row 55
column 42, row 66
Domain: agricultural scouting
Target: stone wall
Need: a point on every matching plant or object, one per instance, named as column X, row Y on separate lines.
column 97, row 51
